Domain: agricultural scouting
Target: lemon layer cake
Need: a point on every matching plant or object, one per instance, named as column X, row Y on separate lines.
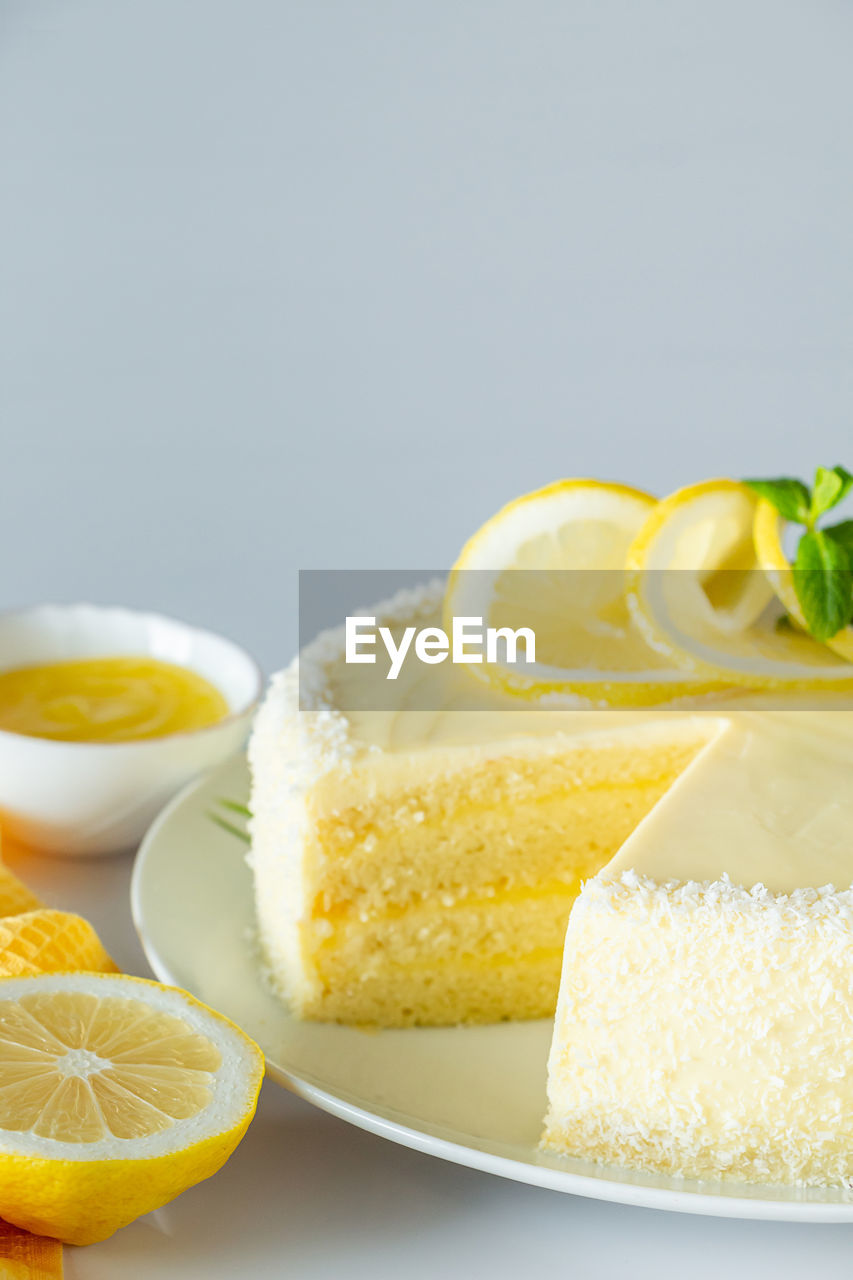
column 705, row 1019
column 420, row 866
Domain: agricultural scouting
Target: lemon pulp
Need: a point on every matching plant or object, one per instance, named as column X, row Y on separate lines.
column 107, row 700
column 75, row 1068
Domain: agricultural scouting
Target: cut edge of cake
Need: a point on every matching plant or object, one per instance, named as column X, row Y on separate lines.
column 433, row 884
column 704, row 1027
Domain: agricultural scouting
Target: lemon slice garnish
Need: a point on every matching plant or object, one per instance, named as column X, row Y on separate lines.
column 116, row 1094
column 514, row 573
column 699, row 595
column 768, row 532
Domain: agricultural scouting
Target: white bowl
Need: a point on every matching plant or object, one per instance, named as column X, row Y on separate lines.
column 88, row 798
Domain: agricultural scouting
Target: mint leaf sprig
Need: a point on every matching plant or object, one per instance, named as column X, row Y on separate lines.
column 823, row 566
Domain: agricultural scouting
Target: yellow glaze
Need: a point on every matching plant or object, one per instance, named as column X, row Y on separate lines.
column 107, row 700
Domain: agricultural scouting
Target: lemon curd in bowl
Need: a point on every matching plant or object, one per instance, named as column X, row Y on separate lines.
column 113, row 699
column 104, row 714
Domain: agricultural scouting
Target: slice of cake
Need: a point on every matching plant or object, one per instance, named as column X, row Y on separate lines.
column 419, row 867
column 705, row 1019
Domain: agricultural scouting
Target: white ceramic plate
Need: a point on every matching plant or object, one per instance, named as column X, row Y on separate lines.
column 473, row 1095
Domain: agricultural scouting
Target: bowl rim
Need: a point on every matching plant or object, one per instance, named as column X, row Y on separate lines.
column 234, row 715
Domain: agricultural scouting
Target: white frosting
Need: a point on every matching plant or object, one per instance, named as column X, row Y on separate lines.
column 288, row 751
column 705, row 1019
column 705, row 1030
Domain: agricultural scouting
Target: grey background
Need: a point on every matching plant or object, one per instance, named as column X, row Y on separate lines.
column 291, row 284
column 321, row 285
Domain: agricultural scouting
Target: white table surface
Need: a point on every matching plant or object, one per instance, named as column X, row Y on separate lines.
column 289, row 284
column 309, row 1196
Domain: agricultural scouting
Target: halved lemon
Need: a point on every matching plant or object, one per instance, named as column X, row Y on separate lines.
column 698, row 594
column 768, row 532
column 46, row 941
column 116, row 1094
column 553, row 561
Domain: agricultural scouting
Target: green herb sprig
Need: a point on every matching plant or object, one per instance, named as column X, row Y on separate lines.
column 225, row 823
column 823, row 565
